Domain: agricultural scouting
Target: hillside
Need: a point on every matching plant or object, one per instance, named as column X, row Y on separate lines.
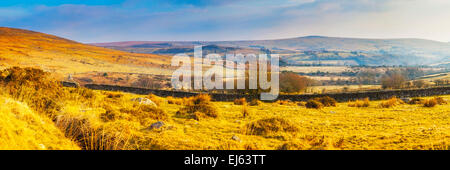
column 55, row 54
column 316, row 50
column 23, row 129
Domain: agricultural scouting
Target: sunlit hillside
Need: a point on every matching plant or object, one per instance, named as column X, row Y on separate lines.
column 22, row 128
column 51, row 53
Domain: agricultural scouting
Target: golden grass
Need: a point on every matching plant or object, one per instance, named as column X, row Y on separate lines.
column 112, row 120
column 55, row 54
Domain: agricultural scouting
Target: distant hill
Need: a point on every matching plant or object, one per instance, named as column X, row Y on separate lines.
column 319, row 50
column 51, row 53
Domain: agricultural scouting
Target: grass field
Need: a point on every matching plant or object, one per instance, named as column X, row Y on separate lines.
column 54, row 117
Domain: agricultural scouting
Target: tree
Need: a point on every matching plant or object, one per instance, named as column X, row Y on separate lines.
column 291, row 82
column 419, row 83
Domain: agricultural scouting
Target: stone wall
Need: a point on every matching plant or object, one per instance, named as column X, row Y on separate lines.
column 342, row 97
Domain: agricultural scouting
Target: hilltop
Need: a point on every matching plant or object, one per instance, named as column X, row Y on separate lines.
column 314, row 50
column 55, row 54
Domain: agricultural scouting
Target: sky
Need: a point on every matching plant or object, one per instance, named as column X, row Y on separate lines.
column 91, row 21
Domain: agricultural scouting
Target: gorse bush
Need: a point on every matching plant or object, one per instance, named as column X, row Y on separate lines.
column 44, row 94
column 240, row 101
column 313, row 104
column 430, row 102
column 285, row 102
column 326, row 101
column 416, row 101
column 393, row 101
column 201, row 104
column 301, row 103
column 360, row 103
column 440, row 100
column 173, row 100
column 270, row 125
column 255, row 102
column 91, row 136
column 113, row 95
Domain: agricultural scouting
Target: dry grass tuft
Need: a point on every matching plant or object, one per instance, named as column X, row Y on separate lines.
column 430, row 102
column 326, row 101
column 286, row 102
column 156, row 99
column 240, row 101
column 200, row 103
column 255, row 102
column 440, row 100
column 23, row 129
column 416, row 101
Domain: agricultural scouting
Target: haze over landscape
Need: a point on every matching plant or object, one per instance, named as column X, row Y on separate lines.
column 98, row 75
column 205, row 20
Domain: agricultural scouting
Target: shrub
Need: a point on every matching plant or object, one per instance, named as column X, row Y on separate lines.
column 200, row 103
column 173, row 100
column 326, row 101
column 199, row 99
column 110, row 136
column 245, row 112
column 286, row 102
column 144, row 113
column 313, row 104
column 112, row 95
column 240, row 101
column 393, row 101
column 270, row 125
column 291, row 82
column 430, row 103
column 110, row 114
column 35, row 87
column 301, row 103
column 360, row 103
column 440, row 100
column 156, row 99
column 297, row 145
column 255, row 102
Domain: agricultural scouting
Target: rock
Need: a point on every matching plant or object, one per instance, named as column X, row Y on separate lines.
column 157, row 125
column 405, row 99
column 235, row 138
column 144, row 101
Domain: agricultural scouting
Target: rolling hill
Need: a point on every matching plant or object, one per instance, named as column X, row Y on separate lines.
column 51, row 53
column 318, row 50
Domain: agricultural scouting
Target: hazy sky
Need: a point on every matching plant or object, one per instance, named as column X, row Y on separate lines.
column 123, row 20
